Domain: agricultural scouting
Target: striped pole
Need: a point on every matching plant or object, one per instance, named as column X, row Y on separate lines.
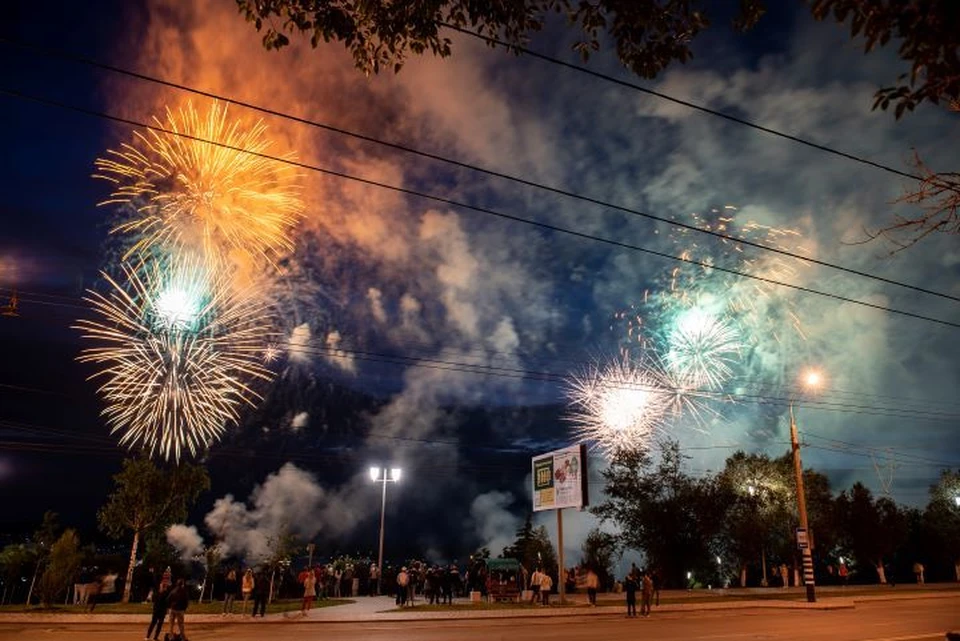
column 802, row 508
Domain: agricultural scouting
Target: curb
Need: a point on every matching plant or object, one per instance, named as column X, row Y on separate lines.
column 413, row 616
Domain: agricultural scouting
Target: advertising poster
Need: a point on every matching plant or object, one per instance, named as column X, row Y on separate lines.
column 560, row 479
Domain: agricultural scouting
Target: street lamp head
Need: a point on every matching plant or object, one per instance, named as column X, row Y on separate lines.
column 374, row 473
column 812, row 379
column 395, row 474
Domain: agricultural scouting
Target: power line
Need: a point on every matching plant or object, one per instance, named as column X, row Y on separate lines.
column 759, row 385
column 547, row 376
column 475, row 208
column 691, row 105
column 489, row 370
column 476, row 168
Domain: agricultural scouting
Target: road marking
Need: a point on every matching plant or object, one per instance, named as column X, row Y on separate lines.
column 911, row 637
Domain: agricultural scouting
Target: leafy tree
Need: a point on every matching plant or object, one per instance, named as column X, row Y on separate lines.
column 600, row 550
column 147, row 499
column 15, row 560
column 942, row 521
column 872, row 529
column 532, row 548
column 672, row 517
column 757, row 492
column 42, row 540
column 648, row 35
column 62, row 568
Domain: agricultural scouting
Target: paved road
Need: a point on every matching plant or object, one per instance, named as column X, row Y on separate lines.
column 916, row 620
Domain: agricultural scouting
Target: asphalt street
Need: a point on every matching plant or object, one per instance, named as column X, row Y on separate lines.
column 899, row 620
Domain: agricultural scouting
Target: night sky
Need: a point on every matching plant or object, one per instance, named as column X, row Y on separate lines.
column 407, row 287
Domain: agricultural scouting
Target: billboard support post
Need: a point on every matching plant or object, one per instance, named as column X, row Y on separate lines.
column 562, row 573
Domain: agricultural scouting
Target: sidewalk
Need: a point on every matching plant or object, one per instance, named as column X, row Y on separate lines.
column 383, row 609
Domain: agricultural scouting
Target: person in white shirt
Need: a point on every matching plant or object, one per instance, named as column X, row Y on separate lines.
column 535, row 585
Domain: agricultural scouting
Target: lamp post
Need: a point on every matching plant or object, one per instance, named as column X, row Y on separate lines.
column 383, row 476
column 811, row 380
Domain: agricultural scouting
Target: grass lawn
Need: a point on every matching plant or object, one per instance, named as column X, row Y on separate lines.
column 280, row 605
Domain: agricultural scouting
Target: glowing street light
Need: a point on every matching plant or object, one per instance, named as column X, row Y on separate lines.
column 956, row 500
column 384, row 476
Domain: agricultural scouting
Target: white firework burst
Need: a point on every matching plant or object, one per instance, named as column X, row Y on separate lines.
column 178, row 350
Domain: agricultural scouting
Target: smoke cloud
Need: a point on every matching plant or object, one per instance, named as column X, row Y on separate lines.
column 186, row 540
column 288, row 502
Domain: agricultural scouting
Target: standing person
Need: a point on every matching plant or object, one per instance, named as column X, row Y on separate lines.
column 161, row 601
column 374, row 580
column 309, row 591
column 535, row 585
column 784, row 575
column 247, row 586
column 179, row 599
column 918, row 572
column 630, row 589
column 593, row 582
column 657, row 579
column 337, row 580
column 93, row 591
column 403, row 582
column 546, row 584
column 261, row 591
column 230, row 586
column 646, row 595
column 843, row 573
column 166, row 581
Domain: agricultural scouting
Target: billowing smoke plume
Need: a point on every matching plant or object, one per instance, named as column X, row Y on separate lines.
column 289, row 502
column 493, row 522
column 185, row 540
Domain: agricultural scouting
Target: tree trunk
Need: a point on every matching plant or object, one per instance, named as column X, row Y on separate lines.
column 128, row 584
column 881, row 573
column 743, row 576
column 763, row 567
column 33, row 581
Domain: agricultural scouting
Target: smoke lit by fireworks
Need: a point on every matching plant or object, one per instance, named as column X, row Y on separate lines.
column 763, row 307
column 223, row 198
column 179, row 350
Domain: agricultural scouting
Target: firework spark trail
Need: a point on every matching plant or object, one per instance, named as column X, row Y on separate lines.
column 702, row 349
column 618, row 406
column 179, row 350
column 184, row 192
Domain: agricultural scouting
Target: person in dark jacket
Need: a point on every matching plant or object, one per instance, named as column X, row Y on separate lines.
column 230, row 588
column 160, row 605
column 261, row 590
column 630, row 588
column 178, row 599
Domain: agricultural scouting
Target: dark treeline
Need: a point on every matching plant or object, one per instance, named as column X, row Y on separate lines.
column 738, row 527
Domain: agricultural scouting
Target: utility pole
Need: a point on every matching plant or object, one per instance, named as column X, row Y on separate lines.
column 808, row 577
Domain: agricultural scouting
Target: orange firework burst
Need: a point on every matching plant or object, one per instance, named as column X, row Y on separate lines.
column 201, row 181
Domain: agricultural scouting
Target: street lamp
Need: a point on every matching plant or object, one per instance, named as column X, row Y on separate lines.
column 956, row 500
column 383, row 475
column 812, row 379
